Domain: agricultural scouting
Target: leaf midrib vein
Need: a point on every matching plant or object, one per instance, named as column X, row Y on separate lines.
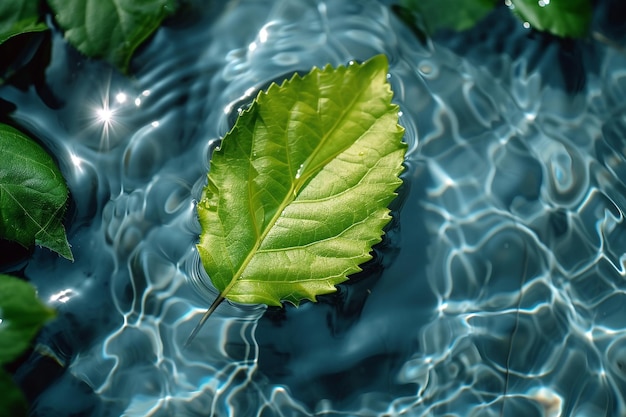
column 358, row 183
column 347, row 110
column 297, row 281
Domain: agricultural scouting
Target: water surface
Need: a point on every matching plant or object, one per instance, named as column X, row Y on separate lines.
column 498, row 290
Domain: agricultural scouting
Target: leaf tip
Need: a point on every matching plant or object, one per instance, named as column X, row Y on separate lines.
column 60, row 245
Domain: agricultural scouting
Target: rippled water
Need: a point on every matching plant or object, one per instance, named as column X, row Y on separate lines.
column 500, row 287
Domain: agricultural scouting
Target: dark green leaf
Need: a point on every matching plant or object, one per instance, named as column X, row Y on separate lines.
column 21, row 317
column 33, row 194
column 413, row 20
column 565, row 18
column 19, row 16
column 110, row 29
column 450, row 14
column 298, row 192
column 12, row 402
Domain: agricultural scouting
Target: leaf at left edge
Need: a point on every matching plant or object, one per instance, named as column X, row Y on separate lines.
column 110, row 29
column 12, row 401
column 33, row 194
column 22, row 315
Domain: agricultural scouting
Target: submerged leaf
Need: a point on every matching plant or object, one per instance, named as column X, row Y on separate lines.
column 565, row 18
column 21, row 317
column 19, row 16
column 298, row 192
column 33, row 194
column 450, row 14
column 110, row 29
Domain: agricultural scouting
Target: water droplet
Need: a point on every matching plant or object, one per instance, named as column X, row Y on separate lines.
column 299, row 171
column 527, row 25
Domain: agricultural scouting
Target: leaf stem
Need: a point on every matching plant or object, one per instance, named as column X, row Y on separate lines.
column 204, row 318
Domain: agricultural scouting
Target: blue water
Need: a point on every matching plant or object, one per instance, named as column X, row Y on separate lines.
column 499, row 289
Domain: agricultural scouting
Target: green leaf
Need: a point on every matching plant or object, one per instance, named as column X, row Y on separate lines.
column 12, row 401
column 450, row 14
column 33, row 194
column 20, row 33
column 110, row 29
column 298, row 192
column 565, row 18
column 21, row 317
column 19, row 16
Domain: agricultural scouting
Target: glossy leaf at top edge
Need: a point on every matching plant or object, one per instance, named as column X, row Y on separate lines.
column 22, row 316
column 12, row 401
column 297, row 193
column 450, row 14
column 33, row 194
column 19, row 16
column 565, row 18
column 110, row 29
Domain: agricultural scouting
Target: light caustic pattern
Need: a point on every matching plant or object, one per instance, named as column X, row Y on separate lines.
column 499, row 290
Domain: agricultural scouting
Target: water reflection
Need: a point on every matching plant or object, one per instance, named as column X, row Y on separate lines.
column 62, row 296
column 498, row 290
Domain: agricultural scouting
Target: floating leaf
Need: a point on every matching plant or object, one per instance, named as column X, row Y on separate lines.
column 450, row 14
column 33, row 194
column 565, row 18
column 21, row 317
column 19, row 16
column 110, row 29
column 298, row 192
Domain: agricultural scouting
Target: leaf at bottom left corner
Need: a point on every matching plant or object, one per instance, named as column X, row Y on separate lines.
column 33, row 194
column 21, row 316
column 12, row 401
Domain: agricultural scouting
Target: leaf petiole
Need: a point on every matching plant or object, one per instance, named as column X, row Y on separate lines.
column 204, row 318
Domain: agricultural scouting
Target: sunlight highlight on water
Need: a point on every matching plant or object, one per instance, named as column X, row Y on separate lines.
column 499, row 290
